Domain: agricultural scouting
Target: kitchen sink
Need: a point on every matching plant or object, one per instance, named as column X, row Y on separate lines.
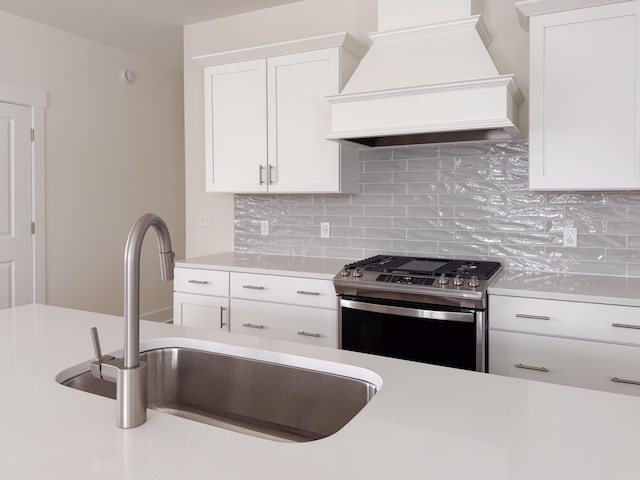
column 260, row 393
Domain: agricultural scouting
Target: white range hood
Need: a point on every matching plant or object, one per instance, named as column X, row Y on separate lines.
column 427, row 78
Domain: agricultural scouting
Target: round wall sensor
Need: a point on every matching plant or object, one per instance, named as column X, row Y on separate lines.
column 127, row 75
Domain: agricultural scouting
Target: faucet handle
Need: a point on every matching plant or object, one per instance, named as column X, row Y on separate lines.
column 102, row 366
column 96, row 343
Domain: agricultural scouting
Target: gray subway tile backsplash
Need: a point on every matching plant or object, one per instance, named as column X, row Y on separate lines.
column 451, row 201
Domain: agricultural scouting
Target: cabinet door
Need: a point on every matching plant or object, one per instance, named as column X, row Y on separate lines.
column 584, row 112
column 236, row 127
column 201, row 311
column 315, row 326
column 596, row 365
column 300, row 159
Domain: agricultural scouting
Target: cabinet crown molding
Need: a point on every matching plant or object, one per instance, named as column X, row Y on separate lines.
column 529, row 8
column 340, row 39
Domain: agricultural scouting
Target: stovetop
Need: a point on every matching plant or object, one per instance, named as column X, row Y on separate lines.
column 427, row 266
column 418, row 279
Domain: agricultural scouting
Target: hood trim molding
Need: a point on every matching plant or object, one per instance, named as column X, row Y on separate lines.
column 507, row 81
column 474, row 21
column 485, row 108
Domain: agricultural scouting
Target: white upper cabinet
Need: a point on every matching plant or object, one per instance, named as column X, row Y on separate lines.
column 266, row 118
column 236, row 126
column 584, row 105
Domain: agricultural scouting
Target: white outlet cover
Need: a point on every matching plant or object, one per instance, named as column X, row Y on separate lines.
column 264, row 227
column 570, row 237
column 325, row 229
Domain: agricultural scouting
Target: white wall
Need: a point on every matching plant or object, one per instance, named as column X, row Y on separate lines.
column 113, row 152
column 287, row 22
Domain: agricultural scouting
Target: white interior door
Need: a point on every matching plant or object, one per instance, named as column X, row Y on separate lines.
column 16, row 251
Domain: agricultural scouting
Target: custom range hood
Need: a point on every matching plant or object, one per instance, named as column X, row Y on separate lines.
column 427, row 78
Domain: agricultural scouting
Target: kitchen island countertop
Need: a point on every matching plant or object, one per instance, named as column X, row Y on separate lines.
column 425, row 422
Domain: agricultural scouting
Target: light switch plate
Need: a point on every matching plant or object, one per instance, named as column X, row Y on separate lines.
column 264, row 227
column 205, row 221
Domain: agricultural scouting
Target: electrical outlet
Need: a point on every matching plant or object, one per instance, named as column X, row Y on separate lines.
column 264, row 227
column 325, row 229
column 570, row 237
column 205, row 221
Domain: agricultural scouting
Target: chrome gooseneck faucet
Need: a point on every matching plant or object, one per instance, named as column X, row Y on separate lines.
column 129, row 373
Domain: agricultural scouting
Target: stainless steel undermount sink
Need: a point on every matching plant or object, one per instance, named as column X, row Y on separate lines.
column 260, row 393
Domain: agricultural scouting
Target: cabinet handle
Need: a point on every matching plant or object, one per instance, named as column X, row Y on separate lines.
column 222, row 322
column 253, row 287
column 533, row 317
column 304, row 292
column 626, row 325
column 199, row 282
column 622, row 380
column 251, row 325
column 307, row 334
column 529, row 367
column 270, row 175
column 260, row 170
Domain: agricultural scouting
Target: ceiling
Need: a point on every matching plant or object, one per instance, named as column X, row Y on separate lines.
column 148, row 27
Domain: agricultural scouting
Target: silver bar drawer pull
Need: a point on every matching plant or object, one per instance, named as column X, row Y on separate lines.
column 253, row 287
column 199, row 282
column 251, row 325
column 529, row 367
column 307, row 334
column 222, row 322
column 304, row 292
column 533, row 317
column 622, row 380
column 626, row 325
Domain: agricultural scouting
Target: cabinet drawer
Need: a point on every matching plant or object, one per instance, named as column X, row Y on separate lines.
column 579, row 363
column 202, row 311
column 592, row 321
column 292, row 290
column 315, row 326
column 200, row 281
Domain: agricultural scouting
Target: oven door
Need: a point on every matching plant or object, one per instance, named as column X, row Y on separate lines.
column 422, row 333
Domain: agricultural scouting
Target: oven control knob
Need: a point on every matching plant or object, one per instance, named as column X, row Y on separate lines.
column 443, row 280
column 345, row 272
column 474, row 281
column 356, row 273
column 458, row 281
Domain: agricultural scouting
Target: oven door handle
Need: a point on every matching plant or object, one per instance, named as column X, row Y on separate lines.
column 466, row 317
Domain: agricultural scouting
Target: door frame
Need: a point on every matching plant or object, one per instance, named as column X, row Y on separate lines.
column 37, row 101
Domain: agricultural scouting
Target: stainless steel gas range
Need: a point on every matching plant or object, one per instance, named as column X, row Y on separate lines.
column 428, row 310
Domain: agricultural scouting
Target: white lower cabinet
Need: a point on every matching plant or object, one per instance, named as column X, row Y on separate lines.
column 579, row 363
column 297, row 309
column 315, row 326
column 191, row 310
column 571, row 343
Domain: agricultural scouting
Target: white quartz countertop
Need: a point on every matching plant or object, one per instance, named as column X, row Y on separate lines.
column 571, row 287
column 425, row 422
column 293, row 266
